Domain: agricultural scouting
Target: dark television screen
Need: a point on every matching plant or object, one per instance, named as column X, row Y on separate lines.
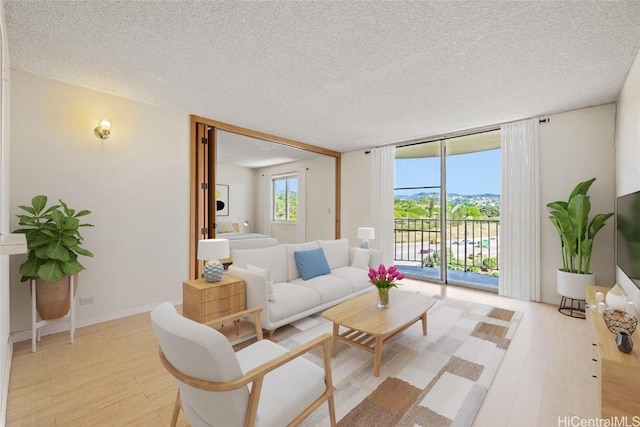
column 628, row 239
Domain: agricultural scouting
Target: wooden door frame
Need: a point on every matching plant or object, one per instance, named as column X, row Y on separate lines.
column 202, row 169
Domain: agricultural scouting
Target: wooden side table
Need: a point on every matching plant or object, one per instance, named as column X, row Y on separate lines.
column 203, row 301
column 617, row 374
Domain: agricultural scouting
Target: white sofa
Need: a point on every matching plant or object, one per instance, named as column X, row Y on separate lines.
column 274, row 283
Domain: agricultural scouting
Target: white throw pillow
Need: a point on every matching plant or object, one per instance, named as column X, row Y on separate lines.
column 361, row 258
column 225, row 227
column 266, row 273
column 336, row 251
column 274, row 258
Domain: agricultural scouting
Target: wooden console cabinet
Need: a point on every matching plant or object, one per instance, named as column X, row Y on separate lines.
column 203, row 301
column 617, row 373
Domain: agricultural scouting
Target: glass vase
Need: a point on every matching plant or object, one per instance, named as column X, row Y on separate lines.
column 383, row 298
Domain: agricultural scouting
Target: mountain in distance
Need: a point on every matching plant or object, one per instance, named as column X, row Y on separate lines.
column 450, row 196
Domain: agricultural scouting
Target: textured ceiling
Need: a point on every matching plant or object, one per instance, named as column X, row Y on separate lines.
column 239, row 150
column 343, row 74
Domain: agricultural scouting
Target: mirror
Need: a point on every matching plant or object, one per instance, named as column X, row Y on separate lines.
column 245, row 170
column 241, row 193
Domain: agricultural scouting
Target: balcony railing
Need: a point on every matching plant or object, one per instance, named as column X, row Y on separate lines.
column 472, row 244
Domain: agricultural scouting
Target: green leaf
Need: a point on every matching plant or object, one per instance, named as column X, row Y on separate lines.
column 578, row 209
column 581, row 188
column 597, row 223
column 71, row 224
column 82, row 213
column 567, row 231
column 57, row 251
column 28, row 209
column 30, row 267
column 71, row 267
column 587, row 245
column 559, row 205
column 38, row 203
column 81, row 251
column 69, row 241
column 58, row 218
column 50, row 271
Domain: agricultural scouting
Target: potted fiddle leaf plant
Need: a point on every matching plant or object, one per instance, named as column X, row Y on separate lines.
column 577, row 234
column 54, row 244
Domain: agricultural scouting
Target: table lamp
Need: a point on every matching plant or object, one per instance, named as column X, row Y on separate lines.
column 366, row 233
column 247, row 224
column 213, row 250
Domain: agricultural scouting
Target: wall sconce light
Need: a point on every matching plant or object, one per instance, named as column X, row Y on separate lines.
column 103, row 130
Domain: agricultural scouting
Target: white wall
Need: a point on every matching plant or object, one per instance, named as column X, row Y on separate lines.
column 320, row 197
column 242, row 190
column 628, row 152
column 136, row 184
column 5, row 345
column 576, row 146
column 355, row 195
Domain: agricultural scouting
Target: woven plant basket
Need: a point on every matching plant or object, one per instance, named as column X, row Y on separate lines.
column 52, row 298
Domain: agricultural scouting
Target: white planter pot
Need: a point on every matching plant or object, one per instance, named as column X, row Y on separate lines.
column 573, row 285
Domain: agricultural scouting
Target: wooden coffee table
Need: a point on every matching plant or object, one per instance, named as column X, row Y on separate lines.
column 369, row 327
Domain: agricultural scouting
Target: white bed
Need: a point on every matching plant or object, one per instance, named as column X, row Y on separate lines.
column 248, row 240
column 237, row 240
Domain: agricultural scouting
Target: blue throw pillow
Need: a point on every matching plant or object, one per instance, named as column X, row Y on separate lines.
column 311, row 263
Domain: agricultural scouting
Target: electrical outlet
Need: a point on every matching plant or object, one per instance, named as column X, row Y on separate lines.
column 87, row 300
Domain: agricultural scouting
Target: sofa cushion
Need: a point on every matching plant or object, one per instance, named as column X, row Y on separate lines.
column 292, row 299
column 274, row 258
column 361, row 258
column 329, row 287
column 311, row 263
column 292, row 269
column 266, row 273
column 336, row 251
column 357, row 277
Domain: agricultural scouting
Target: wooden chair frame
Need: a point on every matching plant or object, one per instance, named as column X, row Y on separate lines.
column 256, row 375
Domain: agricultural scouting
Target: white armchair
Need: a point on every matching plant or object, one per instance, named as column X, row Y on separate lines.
column 263, row 384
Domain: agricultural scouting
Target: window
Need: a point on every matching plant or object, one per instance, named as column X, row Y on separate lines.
column 285, row 192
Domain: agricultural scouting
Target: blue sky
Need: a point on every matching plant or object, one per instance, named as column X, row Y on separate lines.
column 473, row 173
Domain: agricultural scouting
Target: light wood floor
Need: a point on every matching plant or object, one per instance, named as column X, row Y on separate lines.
column 112, row 375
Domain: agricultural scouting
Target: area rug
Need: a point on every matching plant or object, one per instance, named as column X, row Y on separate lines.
column 436, row 380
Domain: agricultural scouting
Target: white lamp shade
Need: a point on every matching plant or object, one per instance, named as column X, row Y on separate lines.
column 209, row 249
column 366, row 233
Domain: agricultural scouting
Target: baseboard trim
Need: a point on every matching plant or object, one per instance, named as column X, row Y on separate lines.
column 5, row 383
column 88, row 321
column 551, row 300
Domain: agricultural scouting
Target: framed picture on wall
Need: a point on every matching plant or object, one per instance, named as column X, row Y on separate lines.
column 222, row 200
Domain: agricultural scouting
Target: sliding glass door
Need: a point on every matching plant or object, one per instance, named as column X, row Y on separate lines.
column 447, row 207
column 418, row 229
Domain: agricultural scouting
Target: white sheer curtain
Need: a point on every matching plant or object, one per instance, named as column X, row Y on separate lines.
column 520, row 212
column 301, row 206
column 382, row 181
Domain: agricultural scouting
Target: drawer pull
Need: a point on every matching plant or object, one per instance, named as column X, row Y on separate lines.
column 594, row 344
column 595, row 360
column 594, row 376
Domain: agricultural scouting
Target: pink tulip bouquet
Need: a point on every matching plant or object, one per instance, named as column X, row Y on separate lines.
column 385, row 278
